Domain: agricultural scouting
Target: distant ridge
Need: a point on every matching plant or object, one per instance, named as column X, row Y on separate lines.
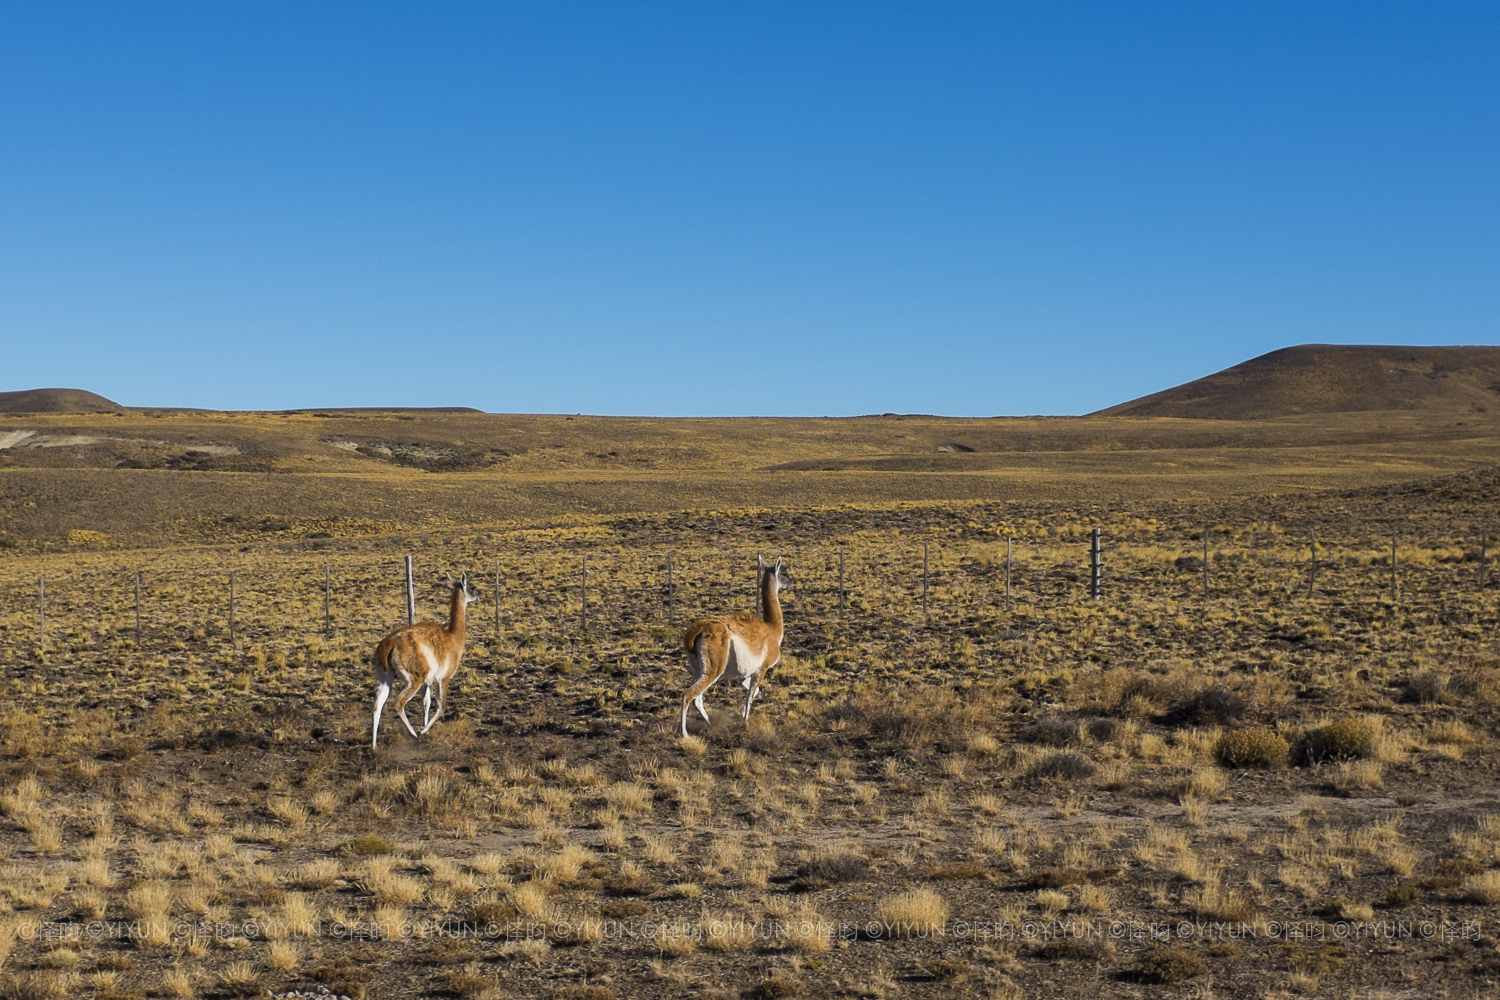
column 56, row 401
column 83, row 401
column 1332, row 378
column 379, row 409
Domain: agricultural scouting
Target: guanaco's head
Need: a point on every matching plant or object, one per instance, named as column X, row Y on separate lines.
column 463, row 589
column 777, row 572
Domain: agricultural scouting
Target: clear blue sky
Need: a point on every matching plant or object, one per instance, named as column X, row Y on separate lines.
column 715, row 208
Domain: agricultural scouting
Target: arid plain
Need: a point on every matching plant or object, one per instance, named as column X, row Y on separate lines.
column 1272, row 775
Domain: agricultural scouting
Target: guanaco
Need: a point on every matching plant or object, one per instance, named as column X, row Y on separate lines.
column 743, row 645
column 424, row 655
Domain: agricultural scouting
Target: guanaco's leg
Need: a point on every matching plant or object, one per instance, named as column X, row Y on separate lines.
column 442, row 693
column 760, row 678
column 402, row 699
column 382, row 692
column 710, row 664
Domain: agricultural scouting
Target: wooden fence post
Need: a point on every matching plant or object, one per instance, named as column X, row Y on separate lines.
column 411, row 595
column 1312, row 566
column 1007, row 572
column 41, row 606
column 1096, row 564
column 1393, row 565
column 327, row 596
column 671, row 589
column 924, row 581
column 1483, row 537
column 759, row 611
column 497, row 600
column 1205, row 565
column 583, row 611
column 137, row 609
column 841, row 581
column 231, row 608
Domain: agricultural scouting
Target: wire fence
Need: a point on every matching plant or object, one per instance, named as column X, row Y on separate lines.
column 159, row 603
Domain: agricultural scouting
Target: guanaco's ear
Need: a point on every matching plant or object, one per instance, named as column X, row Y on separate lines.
column 760, row 560
column 778, row 564
column 450, row 579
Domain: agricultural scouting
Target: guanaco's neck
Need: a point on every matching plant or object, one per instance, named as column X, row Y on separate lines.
column 457, row 613
column 768, row 599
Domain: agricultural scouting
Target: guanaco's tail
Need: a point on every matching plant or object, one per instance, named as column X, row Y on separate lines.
column 384, row 658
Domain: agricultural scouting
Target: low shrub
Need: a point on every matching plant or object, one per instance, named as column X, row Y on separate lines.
column 1071, row 766
column 1211, row 706
column 1255, row 746
column 1172, row 963
column 370, row 844
column 1342, row 739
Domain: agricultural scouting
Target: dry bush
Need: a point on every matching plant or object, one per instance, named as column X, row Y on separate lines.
column 531, row 900
column 631, row 880
column 241, row 979
column 1093, row 899
column 1203, row 783
column 1107, row 730
column 1217, row 903
column 1253, row 747
column 320, row 873
column 1210, row 706
column 1342, row 739
column 1427, row 687
column 1062, row 766
column 983, row 745
column 369, row 844
column 532, row 950
column 22, row 735
column 725, row 933
column 920, row 913
column 283, row 956
column 1357, row 775
column 1483, row 888
column 566, row 864
column 1173, row 963
column 629, row 798
column 289, row 811
column 808, row 931
column 1134, row 694
column 1446, row 731
column 178, row 983
column 470, row 981
column 916, row 717
column 389, row 887
column 1054, row 732
column 1051, row 902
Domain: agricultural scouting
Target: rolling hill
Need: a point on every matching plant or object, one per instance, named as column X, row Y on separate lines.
column 56, row 401
column 1332, row 378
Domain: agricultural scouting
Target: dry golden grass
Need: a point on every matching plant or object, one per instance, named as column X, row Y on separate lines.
column 921, row 912
column 913, row 746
